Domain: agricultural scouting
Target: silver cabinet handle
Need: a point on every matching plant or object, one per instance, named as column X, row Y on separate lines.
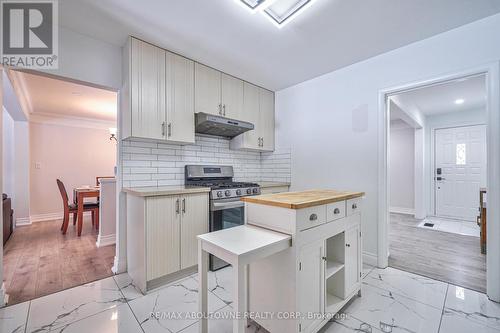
column 354, row 206
column 324, row 258
column 163, row 129
column 348, row 245
column 169, row 129
column 224, row 110
column 177, row 206
column 262, row 140
column 184, row 205
column 313, row 217
column 220, row 109
column 336, row 211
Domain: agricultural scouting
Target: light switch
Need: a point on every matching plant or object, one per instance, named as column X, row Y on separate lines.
column 38, row 165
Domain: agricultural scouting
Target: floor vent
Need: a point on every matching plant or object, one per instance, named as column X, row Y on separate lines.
column 430, row 225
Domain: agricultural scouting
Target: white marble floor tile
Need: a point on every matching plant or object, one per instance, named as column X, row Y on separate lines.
column 13, row 318
column 348, row 325
column 127, row 287
column 172, row 308
column 390, row 312
column 220, row 283
column 117, row 320
column 223, row 324
column 471, row 306
column 416, row 287
column 67, row 306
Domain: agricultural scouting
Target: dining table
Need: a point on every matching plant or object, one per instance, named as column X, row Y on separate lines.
column 79, row 195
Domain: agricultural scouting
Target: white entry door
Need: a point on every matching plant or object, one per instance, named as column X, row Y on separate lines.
column 460, row 170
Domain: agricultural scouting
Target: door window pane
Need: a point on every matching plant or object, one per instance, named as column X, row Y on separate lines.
column 461, row 154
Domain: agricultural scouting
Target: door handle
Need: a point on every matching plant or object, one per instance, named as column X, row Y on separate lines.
column 348, row 245
column 313, row 217
column 177, row 206
column 163, row 129
column 336, row 211
column 183, row 205
column 224, row 109
column 169, row 129
column 354, row 206
column 220, row 109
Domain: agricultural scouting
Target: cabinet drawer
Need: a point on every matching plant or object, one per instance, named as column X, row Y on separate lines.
column 335, row 211
column 311, row 217
column 354, row 206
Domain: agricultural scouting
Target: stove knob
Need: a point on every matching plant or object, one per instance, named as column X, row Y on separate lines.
column 249, row 191
column 228, row 193
column 238, row 192
column 219, row 194
column 255, row 190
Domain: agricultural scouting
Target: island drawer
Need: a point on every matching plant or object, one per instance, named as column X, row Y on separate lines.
column 335, row 211
column 354, row 206
column 311, row 217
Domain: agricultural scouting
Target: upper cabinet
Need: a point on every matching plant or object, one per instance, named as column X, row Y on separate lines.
column 258, row 108
column 162, row 91
column 217, row 93
column 157, row 99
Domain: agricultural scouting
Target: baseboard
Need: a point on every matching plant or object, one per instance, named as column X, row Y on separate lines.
column 370, row 259
column 402, row 210
column 46, row 217
column 20, row 221
column 119, row 266
column 105, row 240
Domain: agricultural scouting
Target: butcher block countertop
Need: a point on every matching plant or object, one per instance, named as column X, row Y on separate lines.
column 302, row 199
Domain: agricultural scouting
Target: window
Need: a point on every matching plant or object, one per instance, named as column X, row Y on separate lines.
column 461, row 154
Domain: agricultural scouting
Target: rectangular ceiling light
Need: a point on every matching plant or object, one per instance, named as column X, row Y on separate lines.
column 283, row 11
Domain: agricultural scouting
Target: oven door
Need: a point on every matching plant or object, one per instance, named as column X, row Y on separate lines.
column 225, row 214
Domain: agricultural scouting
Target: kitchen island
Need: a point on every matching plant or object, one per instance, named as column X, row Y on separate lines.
column 301, row 287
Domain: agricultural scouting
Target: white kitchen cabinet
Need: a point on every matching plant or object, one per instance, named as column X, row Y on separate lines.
column 218, row 93
column 158, row 94
column 207, row 83
column 194, row 222
column 162, row 234
column 146, row 82
column 319, row 274
column 352, row 260
column 232, row 96
column 258, row 108
column 311, row 283
column 179, row 99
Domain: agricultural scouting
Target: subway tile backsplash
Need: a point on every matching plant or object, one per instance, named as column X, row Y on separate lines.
column 156, row 164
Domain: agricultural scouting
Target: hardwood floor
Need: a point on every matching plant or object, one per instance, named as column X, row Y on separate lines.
column 452, row 258
column 39, row 260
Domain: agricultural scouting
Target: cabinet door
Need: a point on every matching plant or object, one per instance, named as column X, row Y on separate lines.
column 251, row 114
column 194, row 222
column 207, row 89
column 180, row 99
column 311, row 282
column 266, row 122
column 352, row 262
column 162, row 236
column 147, row 90
column 232, row 97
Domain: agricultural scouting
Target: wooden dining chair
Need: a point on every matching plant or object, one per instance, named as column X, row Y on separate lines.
column 72, row 208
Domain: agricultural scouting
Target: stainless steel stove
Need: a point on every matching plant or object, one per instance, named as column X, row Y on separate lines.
column 226, row 208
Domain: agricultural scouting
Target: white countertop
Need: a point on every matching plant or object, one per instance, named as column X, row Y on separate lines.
column 153, row 191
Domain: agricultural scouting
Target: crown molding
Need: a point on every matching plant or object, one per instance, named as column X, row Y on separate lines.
column 71, row 121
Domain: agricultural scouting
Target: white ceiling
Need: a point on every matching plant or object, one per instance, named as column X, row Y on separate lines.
column 221, row 33
column 55, row 98
column 439, row 99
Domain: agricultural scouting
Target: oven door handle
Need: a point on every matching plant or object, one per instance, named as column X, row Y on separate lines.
column 214, row 206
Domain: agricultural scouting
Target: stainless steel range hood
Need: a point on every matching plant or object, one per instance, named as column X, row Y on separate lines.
column 221, row 126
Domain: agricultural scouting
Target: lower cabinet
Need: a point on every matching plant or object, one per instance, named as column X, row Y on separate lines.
column 162, row 233
column 311, row 284
column 352, row 260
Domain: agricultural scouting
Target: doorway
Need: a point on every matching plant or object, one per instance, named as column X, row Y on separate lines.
column 434, row 235
column 63, row 139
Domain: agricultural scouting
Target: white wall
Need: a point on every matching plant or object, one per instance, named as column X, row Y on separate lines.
column 454, row 119
column 402, row 170
column 315, row 118
column 8, row 153
column 21, row 198
column 73, row 154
